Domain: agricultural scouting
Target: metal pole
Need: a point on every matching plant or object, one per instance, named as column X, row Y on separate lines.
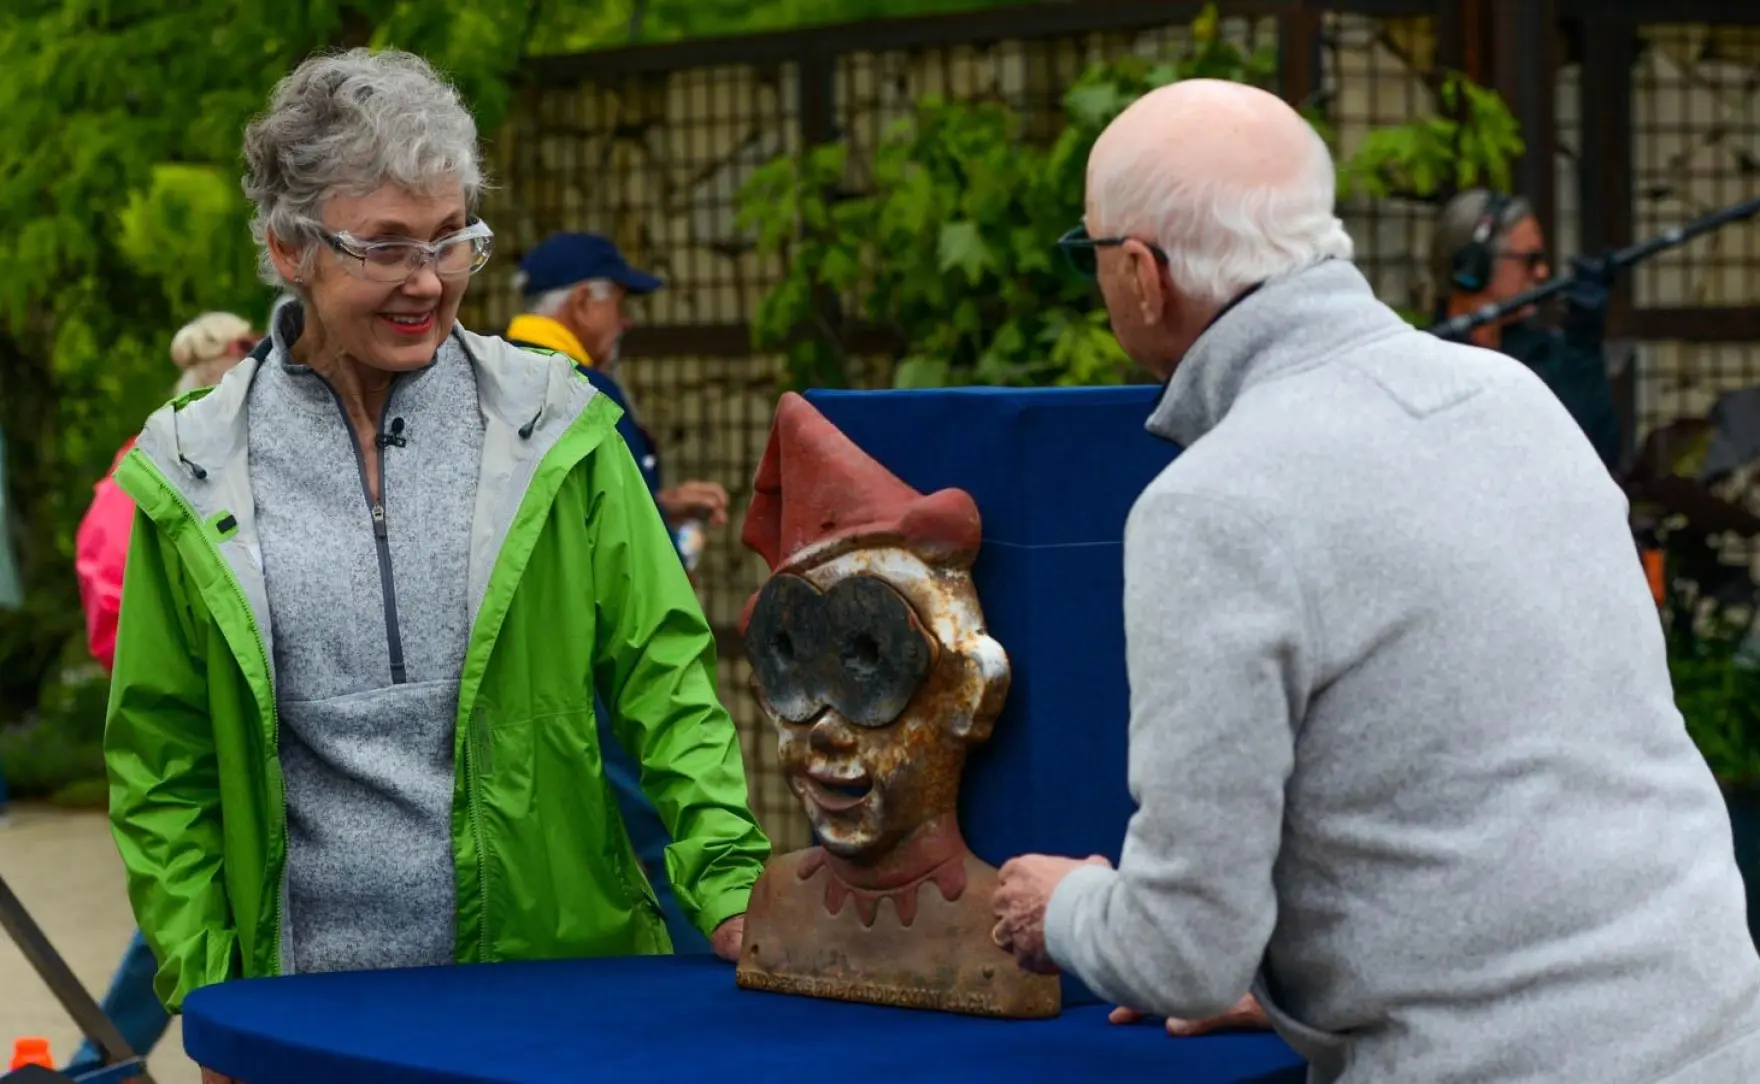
column 64, row 985
column 1625, row 257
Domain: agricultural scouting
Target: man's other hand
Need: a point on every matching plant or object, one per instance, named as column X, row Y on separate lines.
column 1247, row 1015
column 695, row 500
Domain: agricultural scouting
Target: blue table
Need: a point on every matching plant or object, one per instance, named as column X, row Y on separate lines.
column 659, row 1019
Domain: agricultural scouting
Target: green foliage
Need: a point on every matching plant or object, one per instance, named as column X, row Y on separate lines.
column 620, row 22
column 1717, row 689
column 949, row 245
column 41, row 761
column 183, row 230
column 1470, row 142
column 119, row 169
column 63, row 744
column 1709, row 621
column 83, row 794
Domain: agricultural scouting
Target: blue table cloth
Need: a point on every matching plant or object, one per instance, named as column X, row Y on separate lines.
column 662, row 1019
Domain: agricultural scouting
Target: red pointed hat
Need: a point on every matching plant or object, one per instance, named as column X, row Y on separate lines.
column 815, row 486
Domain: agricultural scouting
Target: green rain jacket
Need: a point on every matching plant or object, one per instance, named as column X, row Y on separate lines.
column 574, row 586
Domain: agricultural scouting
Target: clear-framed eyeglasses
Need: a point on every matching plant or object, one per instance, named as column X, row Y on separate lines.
column 455, row 256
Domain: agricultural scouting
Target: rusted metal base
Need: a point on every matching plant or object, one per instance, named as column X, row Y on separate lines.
column 924, row 946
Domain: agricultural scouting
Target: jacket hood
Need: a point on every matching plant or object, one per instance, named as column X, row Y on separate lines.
column 206, row 431
column 199, row 447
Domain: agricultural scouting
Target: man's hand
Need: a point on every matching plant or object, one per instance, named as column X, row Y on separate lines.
column 1023, row 891
column 695, row 500
column 727, row 939
column 209, row 1076
column 1247, row 1015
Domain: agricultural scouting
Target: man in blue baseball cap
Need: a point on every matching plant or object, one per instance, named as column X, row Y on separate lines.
column 574, row 286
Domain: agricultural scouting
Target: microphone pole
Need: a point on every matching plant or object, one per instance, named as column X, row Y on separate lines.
column 1625, row 257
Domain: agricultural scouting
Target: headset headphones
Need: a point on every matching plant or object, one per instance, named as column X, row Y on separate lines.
column 1470, row 269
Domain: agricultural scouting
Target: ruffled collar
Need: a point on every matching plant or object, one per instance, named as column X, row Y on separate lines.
column 936, row 855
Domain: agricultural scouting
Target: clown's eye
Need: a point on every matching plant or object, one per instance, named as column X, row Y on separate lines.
column 858, row 647
column 862, row 656
column 883, row 652
column 787, row 621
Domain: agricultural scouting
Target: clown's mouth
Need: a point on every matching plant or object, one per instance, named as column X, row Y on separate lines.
column 836, row 795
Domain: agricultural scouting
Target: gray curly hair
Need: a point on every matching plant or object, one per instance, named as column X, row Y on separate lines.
column 350, row 123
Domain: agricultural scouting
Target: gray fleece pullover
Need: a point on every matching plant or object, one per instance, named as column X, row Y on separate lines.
column 370, row 615
column 1402, row 737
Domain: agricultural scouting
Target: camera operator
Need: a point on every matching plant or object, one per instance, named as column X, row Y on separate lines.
column 1488, row 248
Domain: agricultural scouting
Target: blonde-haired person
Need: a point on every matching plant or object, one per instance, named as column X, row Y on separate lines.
column 208, row 346
column 204, row 350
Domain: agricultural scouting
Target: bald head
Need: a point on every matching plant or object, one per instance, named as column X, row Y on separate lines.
column 1227, row 179
column 1226, row 132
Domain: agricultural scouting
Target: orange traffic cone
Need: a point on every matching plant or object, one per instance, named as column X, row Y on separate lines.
column 30, row 1051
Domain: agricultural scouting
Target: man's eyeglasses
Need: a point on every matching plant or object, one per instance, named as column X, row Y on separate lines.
column 455, row 256
column 1083, row 252
column 1531, row 260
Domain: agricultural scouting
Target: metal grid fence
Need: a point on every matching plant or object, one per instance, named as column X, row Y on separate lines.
column 1371, row 77
column 1696, row 148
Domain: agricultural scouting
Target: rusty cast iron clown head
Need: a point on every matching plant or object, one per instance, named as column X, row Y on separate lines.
column 868, row 645
column 870, row 656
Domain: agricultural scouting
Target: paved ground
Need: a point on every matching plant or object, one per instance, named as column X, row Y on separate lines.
column 64, row 866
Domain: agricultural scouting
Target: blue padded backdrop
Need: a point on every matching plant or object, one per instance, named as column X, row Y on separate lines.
column 1055, row 472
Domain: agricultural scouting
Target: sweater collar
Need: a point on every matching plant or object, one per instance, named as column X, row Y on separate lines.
column 1290, row 323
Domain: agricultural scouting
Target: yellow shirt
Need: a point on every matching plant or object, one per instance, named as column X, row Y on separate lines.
column 549, row 333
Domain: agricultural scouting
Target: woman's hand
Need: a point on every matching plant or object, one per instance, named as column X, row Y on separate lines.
column 726, row 940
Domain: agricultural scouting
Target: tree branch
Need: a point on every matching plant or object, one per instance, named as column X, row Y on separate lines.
column 354, row 29
column 534, row 15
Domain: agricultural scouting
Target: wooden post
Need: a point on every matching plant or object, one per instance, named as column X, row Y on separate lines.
column 1461, row 30
column 1298, row 56
column 1524, row 64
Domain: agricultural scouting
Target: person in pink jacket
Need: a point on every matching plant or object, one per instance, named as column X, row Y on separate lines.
column 205, row 349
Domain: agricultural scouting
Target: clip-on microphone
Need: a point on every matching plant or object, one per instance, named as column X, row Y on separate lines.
column 395, row 438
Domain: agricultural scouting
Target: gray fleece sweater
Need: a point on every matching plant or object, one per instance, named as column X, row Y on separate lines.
column 370, row 614
column 1402, row 736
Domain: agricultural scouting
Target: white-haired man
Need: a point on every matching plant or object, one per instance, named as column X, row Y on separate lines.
column 574, row 285
column 1382, row 779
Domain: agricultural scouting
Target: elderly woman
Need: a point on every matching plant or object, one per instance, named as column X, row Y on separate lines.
column 378, row 575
